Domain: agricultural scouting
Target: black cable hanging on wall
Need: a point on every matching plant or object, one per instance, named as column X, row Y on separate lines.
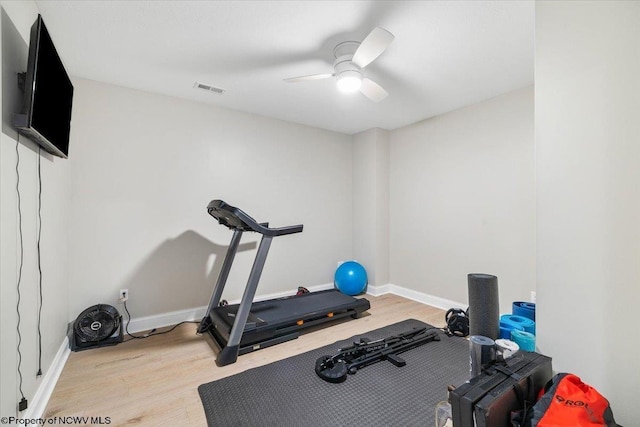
column 23, row 402
column 39, row 265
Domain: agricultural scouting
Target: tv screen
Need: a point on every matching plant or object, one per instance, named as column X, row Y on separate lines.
column 48, row 95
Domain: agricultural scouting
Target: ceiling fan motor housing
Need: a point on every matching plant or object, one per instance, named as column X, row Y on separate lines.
column 345, row 68
column 348, row 74
column 343, row 65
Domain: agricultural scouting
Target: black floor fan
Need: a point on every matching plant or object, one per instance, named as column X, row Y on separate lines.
column 97, row 326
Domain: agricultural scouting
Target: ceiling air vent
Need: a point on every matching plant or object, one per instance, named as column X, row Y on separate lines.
column 209, row 88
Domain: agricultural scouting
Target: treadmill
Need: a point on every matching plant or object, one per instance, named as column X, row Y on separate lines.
column 242, row 328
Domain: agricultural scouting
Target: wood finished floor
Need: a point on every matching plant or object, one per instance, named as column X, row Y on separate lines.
column 154, row 381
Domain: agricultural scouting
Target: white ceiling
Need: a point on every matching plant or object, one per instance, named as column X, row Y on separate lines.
column 446, row 54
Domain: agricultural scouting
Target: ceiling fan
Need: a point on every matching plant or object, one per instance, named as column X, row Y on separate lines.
column 351, row 58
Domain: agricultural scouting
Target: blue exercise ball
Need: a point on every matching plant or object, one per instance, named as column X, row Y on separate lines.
column 350, row 278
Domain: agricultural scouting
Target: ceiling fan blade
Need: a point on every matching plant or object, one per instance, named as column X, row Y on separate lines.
column 308, row 78
column 373, row 90
column 372, row 46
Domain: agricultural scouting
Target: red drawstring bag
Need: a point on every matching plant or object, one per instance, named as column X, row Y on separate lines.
column 568, row 402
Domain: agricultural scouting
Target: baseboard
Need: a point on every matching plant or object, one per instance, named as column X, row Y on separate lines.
column 146, row 323
column 40, row 400
column 434, row 301
column 315, row 288
column 379, row 290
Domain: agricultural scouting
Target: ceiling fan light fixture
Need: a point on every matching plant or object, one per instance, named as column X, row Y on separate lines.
column 349, row 81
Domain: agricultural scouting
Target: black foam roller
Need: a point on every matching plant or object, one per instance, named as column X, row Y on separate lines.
column 484, row 306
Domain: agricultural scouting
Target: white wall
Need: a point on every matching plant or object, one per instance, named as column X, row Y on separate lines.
column 588, row 186
column 144, row 168
column 17, row 18
column 461, row 193
column 371, row 203
column 462, row 200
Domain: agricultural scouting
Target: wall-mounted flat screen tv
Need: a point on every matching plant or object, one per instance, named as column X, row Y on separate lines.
column 48, row 95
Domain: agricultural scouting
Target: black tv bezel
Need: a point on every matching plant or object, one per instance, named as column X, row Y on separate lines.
column 24, row 121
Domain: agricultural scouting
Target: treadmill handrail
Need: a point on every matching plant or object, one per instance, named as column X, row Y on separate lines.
column 236, row 219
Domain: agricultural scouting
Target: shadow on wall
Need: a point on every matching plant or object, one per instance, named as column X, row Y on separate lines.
column 176, row 276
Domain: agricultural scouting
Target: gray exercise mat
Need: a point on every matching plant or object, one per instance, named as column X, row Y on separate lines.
column 289, row 393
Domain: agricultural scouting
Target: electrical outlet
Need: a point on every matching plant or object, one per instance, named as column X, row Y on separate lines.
column 124, row 295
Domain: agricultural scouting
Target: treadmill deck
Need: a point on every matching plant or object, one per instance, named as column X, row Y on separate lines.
column 285, row 316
